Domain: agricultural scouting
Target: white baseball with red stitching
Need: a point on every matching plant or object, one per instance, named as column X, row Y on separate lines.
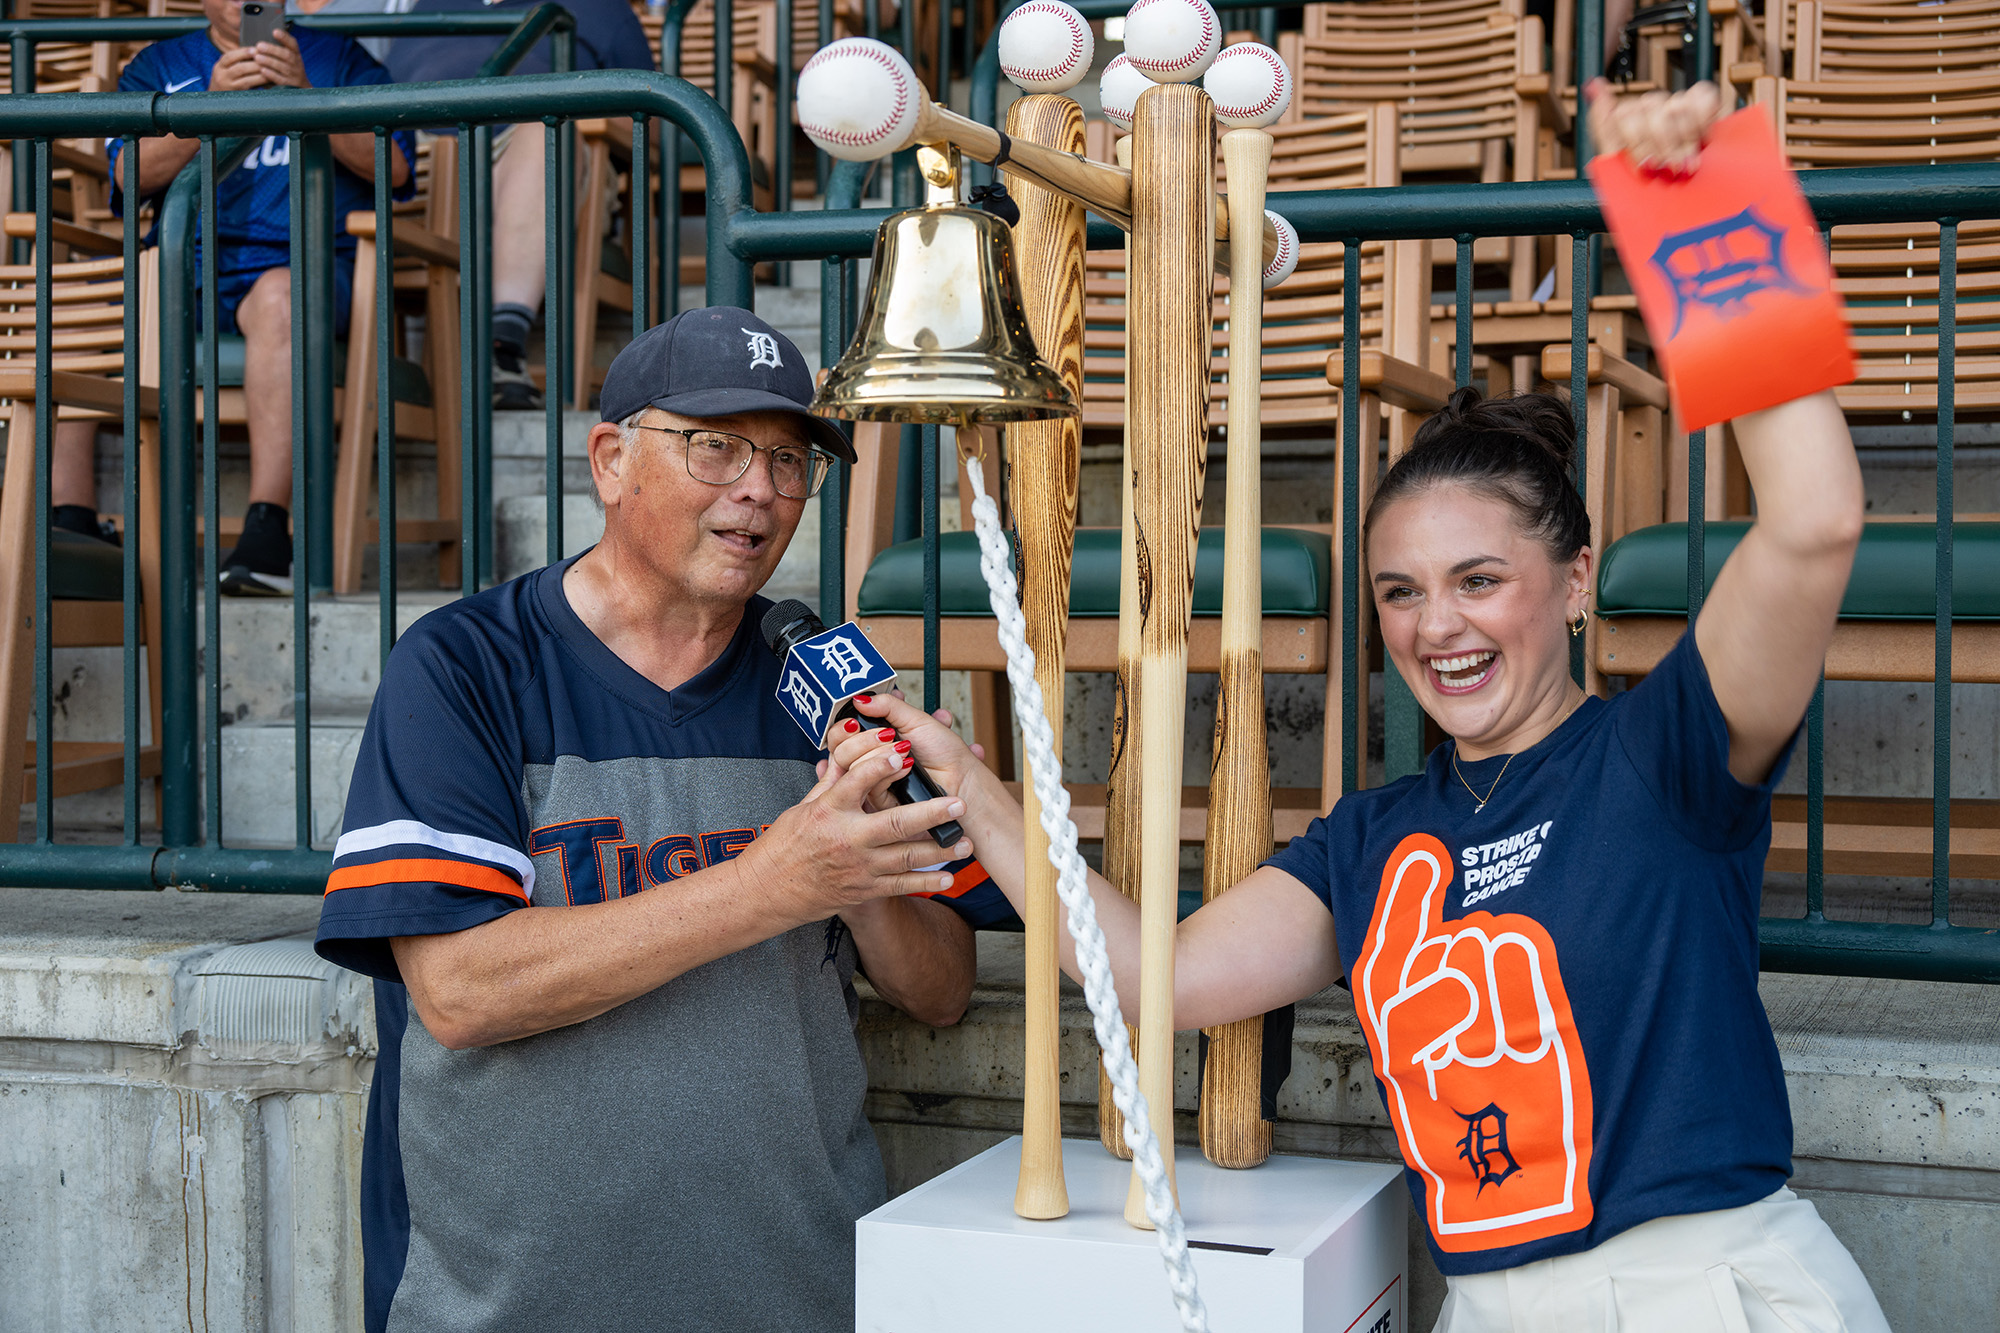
column 1284, row 263
column 1045, row 47
column 859, row 99
column 1172, row 41
column 1250, row 85
column 1118, row 90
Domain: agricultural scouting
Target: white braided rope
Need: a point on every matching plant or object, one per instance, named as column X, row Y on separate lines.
column 996, row 562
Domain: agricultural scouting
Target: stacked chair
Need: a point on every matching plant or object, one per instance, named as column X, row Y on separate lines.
column 85, row 576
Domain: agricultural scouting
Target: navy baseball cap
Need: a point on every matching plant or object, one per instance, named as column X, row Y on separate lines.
column 713, row 362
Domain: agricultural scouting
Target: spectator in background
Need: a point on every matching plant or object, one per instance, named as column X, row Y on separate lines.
column 253, row 250
column 608, row 36
column 374, row 46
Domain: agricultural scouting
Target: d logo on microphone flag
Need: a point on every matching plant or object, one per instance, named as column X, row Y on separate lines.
column 1728, row 264
column 824, row 671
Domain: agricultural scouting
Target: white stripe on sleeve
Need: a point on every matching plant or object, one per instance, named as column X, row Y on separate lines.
column 413, row 833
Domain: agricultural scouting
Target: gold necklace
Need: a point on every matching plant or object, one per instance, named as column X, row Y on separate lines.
column 1468, row 786
column 1482, row 800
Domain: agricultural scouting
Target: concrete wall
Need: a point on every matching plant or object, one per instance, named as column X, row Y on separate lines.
column 181, row 1099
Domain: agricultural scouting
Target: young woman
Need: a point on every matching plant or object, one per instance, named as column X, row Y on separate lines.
column 1551, row 932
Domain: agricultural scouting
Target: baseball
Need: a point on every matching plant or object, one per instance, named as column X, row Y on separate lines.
column 1286, row 260
column 1118, row 90
column 859, row 99
column 1045, row 47
column 1172, row 41
column 1250, row 86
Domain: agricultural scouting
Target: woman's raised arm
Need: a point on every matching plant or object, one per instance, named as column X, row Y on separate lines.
column 1764, row 629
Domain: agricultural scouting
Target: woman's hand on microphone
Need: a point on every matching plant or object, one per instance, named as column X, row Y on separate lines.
column 830, row 852
column 927, row 738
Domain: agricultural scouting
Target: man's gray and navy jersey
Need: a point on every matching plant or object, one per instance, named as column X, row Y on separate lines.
column 695, row 1158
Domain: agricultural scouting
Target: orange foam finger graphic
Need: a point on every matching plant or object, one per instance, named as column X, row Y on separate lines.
column 1731, row 274
column 1472, row 1037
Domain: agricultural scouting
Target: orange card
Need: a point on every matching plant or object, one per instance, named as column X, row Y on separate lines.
column 1731, row 274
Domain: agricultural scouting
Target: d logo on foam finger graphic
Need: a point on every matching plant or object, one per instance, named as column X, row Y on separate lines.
column 1472, row 1037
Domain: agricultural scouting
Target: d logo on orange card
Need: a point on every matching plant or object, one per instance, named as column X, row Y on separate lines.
column 1728, row 268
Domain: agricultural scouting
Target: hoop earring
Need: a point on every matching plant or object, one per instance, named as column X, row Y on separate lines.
column 1582, row 619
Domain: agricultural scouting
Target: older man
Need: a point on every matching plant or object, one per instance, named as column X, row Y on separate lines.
column 619, row 1077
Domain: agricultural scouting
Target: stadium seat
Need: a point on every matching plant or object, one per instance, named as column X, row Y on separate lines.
column 85, row 576
column 427, row 393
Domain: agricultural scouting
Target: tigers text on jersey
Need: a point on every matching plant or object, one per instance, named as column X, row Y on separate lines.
column 700, row 1149
column 1559, row 990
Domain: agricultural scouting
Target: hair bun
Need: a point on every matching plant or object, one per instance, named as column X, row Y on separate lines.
column 1539, row 420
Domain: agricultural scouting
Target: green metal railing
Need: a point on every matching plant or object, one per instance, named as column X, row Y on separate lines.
column 228, row 124
column 737, row 238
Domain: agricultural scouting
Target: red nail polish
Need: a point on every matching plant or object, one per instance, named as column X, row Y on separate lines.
column 864, row 698
column 908, row 761
column 886, row 734
column 852, row 726
column 902, row 747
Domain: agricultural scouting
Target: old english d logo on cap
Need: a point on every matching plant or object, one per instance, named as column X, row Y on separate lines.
column 763, row 350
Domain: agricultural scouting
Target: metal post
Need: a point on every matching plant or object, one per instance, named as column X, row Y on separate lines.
column 1353, row 692
column 552, row 349
column 45, row 422
column 135, row 521
column 472, row 552
column 301, row 604
column 933, row 585
column 21, row 54
column 211, row 540
column 1947, row 367
column 385, row 402
column 312, row 558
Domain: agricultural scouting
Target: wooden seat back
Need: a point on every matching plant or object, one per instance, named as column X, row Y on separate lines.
column 1469, row 96
column 1896, row 40
column 1889, row 273
column 1302, row 318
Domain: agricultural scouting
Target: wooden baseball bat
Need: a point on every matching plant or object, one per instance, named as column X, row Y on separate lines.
column 1044, row 457
column 1170, row 287
column 1234, row 1132
column 1104, row 190
column 1121, row 784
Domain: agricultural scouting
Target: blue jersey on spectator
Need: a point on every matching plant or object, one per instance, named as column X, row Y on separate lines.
column 255, row 199
column 608, row 36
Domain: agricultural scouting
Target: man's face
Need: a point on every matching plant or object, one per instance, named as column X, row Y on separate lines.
column 720, row 544
column 226, row 17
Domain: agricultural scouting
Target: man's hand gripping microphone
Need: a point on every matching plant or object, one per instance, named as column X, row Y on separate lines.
column 824, row 669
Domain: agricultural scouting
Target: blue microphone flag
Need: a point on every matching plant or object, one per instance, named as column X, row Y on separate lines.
column 825, row 671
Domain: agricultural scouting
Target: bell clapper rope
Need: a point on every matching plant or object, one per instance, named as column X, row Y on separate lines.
column 996, row 564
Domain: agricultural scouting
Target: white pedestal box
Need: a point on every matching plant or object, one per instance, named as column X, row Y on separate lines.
column 1297, row 1244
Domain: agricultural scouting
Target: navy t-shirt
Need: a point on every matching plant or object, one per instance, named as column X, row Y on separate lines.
column 254, row 201
column 608, row 36
column 511, row 758
column 1559, row 991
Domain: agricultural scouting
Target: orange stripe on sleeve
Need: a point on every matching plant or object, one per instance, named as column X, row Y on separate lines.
column 964, row 881
column 461, row 874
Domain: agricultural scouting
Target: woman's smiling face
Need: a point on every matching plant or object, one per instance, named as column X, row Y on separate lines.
column 1474, row 613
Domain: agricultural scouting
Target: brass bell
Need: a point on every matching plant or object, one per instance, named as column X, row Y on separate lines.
column 943, row 337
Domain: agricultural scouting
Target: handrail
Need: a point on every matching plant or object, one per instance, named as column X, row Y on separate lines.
column 320, row 111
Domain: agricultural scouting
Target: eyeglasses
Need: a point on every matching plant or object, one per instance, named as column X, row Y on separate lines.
column 719, row 458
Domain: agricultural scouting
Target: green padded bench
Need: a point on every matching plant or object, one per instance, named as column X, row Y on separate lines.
column 1887, row 615
column 1298, row 575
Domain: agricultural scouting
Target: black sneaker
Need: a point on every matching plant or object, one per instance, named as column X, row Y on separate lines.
column 513, row 391
column 260, row 564
column 238, row 580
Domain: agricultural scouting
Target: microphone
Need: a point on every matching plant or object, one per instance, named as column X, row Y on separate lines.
column 824, row 669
